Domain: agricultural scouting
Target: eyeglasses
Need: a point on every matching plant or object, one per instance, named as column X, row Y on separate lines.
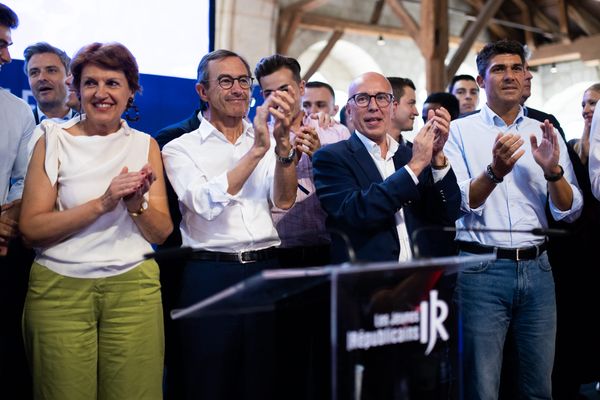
column 226, row 81
column 363, row 99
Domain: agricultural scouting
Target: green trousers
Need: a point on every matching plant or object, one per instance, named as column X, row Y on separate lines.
column 92, row 339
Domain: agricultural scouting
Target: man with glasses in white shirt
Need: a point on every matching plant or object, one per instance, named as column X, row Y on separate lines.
column 227, row 174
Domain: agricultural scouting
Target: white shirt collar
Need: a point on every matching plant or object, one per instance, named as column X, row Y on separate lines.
column 374, row 149
column 207, row 129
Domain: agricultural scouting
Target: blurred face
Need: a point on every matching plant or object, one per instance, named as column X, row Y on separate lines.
column 104, row 95
column 72, row 99
column 427, row 107
column 526, row 84
column 406, row 111
column 283, row 79
column 47, row 79
column 5, row 41
column 504, row 80
column 317, row 99
column 588, row 104
column 225, row 103
column 373, row 120
column 349, row 123
column 467, row 93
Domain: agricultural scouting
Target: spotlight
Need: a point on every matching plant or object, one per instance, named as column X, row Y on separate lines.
column 380, row 41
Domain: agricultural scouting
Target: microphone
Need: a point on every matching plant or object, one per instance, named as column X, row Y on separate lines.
column 548, row 232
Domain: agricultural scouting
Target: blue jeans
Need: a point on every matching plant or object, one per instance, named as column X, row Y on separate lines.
column 500, row 298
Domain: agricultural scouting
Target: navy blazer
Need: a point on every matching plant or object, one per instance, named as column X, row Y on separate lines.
column 362, row 205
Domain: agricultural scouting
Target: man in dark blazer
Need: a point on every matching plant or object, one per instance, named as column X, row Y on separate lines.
column 377, row 192
column 168, row 133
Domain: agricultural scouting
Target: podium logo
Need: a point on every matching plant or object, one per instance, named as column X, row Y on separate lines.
column 433, row 314
column 424, row 325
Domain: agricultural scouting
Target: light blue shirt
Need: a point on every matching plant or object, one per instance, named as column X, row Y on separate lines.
column 67, row 116
column 16, row 127
column 519, row 202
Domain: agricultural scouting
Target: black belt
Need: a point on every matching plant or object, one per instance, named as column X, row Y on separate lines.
column 523, row 253
column 242, row 257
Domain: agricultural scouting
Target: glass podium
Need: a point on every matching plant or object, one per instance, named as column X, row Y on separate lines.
column 393, row 328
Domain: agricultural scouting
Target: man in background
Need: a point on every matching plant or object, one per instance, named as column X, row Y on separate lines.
column 441, row 99
column 405, row 112
column 304, row 239
column 47, row 70
column 319, row 97
column 466, row 90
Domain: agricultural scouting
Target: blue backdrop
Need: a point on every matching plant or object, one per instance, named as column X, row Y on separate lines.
column 164, row 100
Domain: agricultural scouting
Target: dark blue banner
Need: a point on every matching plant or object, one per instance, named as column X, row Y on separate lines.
column 164, row 100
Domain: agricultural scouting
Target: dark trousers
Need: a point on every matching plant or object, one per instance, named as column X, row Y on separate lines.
column 303, row 325
column 304, row 256
column 15, row 379
column 222, row 356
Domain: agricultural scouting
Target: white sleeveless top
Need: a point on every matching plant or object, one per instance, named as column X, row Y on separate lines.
column 83, row 167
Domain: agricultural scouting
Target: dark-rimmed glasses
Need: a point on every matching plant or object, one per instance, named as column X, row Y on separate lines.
column 226, row 81
column 363, row 99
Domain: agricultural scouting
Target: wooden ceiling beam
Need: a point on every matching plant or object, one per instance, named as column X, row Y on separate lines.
column 335, row 36
column 583, row 18
column 539, row 18
column 289, row 20
column 376, row 15
column 323, row 23
column 408, row 22
column 586, row 49
column 497, row 30
column 303, row 6
column 563, row 21
column 283, row 44
column 486, row 13
column 526, row 19
column 434, row 42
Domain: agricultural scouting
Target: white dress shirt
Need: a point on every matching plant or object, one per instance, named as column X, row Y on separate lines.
column 386, row 168
column 518, row 203
column 197, row 164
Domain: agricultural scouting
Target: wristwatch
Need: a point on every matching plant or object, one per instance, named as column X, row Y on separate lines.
column 555, row 178
column 143, row 207
column 286, row 160
column 490, row 174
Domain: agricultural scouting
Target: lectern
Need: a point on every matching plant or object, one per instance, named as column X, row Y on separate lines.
column 394, row 331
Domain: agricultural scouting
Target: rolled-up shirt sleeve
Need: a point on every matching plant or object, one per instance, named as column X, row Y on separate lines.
column 205, row 197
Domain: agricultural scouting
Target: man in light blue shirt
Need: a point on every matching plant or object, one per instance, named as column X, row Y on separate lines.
column 506, row 166
column 16, row 126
